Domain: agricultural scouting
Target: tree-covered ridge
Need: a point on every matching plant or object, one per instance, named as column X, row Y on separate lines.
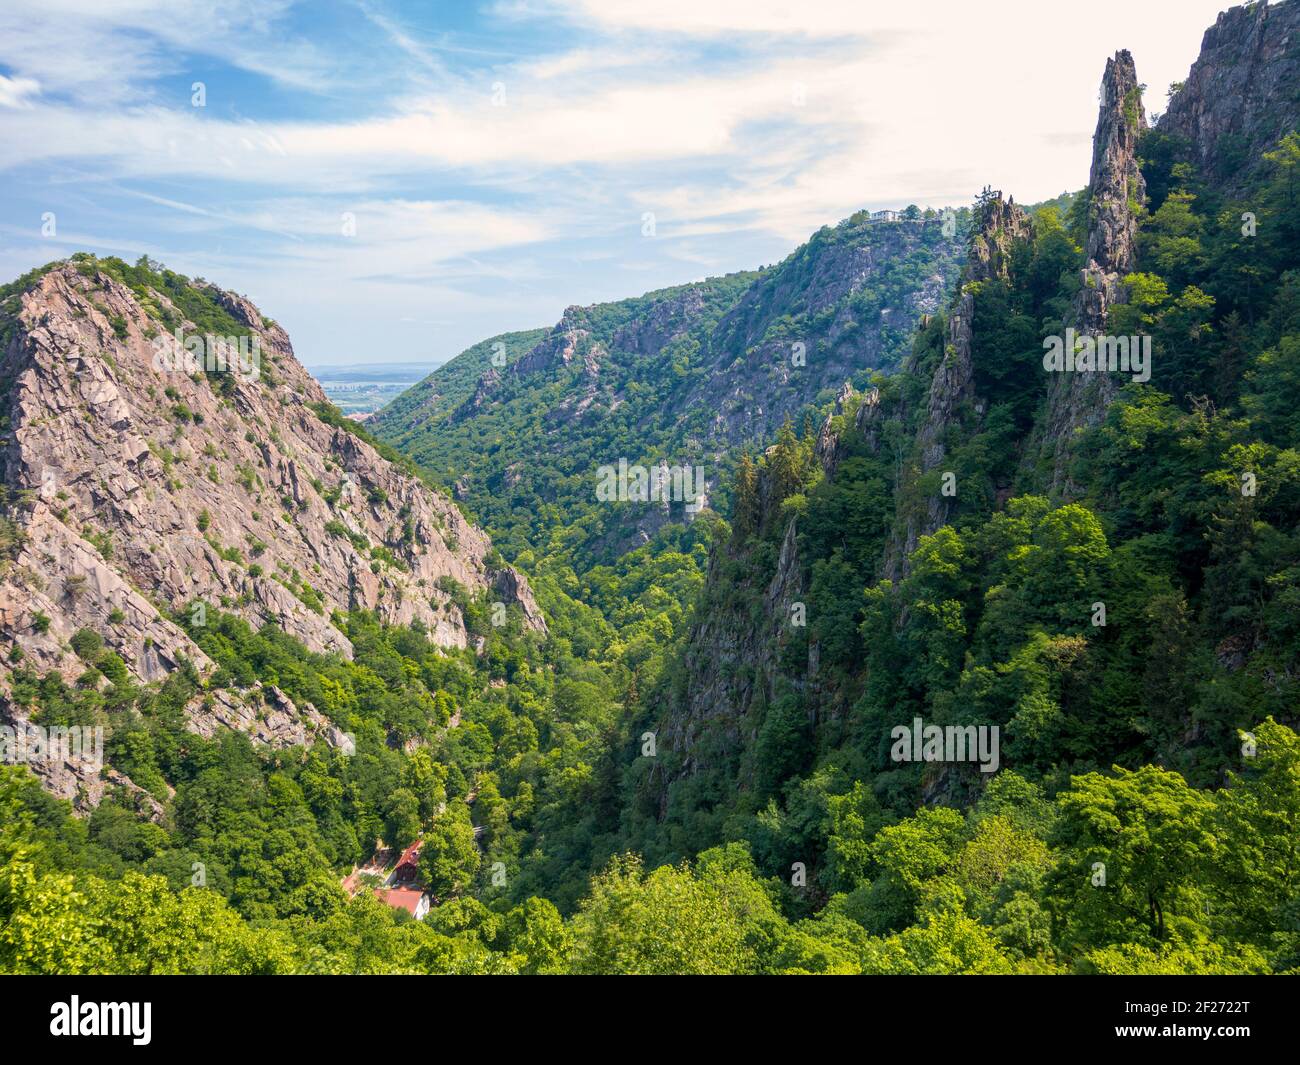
column 647, row 379
column 1149, row 621
column 520, row 438
column 455, row 380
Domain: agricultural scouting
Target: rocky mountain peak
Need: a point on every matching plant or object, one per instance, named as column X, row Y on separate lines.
column 1116, row 186
column 1117, row 195
column 999, row 224
column 1242, row 93
column 557, row 350
column 139, row 483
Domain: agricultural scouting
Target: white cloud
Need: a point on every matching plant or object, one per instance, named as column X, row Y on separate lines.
column 393, row 236
column 14, row 91
column 686, row 108
column 959, row 96
column 717, row 17
column 368, row 236
column 102, row 52
column 582, row 61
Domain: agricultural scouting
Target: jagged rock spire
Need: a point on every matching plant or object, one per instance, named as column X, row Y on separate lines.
column 1117, row 192
column 1115, row 183
column 999, row 225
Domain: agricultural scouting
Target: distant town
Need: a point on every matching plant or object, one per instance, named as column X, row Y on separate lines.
column 360, row 389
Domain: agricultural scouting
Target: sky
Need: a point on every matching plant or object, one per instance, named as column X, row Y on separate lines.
column 394, row 182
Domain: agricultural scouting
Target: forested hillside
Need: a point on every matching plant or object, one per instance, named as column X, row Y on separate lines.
column 518, row 426
column 1102, row 568
column 690, row 376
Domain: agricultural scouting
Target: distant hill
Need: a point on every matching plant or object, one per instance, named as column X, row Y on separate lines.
column 689, row 376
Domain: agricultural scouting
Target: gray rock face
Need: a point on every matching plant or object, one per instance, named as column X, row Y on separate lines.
column 1000, row 225
column 1117, row 191
column 265, row 713
column 483, row 396
column 558, row 349
column 666, row 321
column 731, row 658
column 1243, row 92
column 85, row 786
column 59, row 583
column 140, row 488
column 752, row 395
column 1115, row 183
column 827, row 447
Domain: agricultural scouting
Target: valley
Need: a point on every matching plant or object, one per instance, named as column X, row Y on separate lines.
column 925, row 602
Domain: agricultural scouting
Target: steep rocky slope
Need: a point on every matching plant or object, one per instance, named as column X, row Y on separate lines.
column 1243, row 91
column 974, row 400
column 999, row 228
column 690, row 375
column 849, row 298
column 750, row 626
column 138, row 484
column 1117, row 195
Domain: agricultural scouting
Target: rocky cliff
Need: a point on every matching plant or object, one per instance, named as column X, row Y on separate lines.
column 690, row 375
column 1243, row 92
column 738, row 658
column 839, row 305
column 999, row 226
column 143, row 476
column 1116, row 197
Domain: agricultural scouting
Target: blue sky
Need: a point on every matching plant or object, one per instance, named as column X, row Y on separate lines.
column 395, row 181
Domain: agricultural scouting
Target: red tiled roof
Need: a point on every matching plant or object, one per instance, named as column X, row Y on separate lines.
column 404, row 898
